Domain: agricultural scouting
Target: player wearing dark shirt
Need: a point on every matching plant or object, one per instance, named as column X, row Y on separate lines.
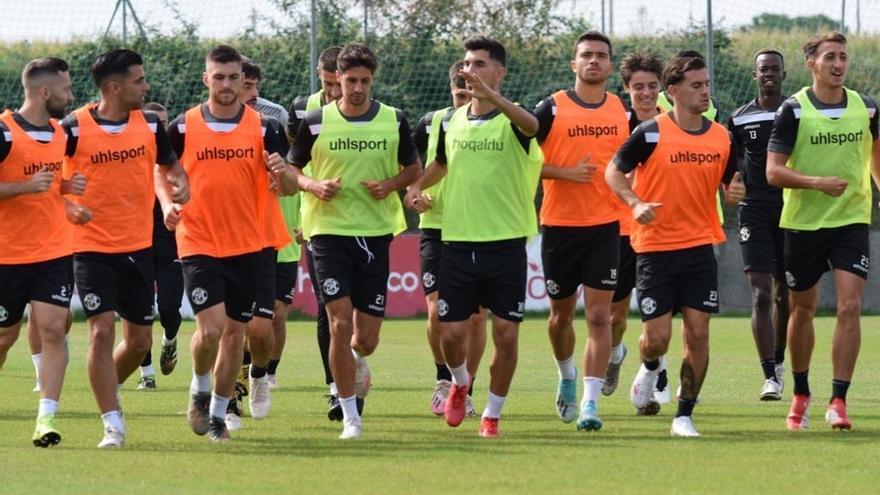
column 823, row 150
column 760, row 237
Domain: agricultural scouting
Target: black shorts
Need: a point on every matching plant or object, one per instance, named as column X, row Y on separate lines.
column 121, row 282
column 353, row 267
column 580, row 255
column 430, row 246
column 626, row 271
column 266, row 291
column 809, row 254
column 761, row 238
column 49, row 282
column 487, row 274
column 233, row 281
column 285, row 281
column 313, row 277
column 669, row 280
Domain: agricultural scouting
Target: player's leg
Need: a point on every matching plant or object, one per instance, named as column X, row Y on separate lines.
column 695, row 362
column 285, row 288
column 51, row 322
column 260, row 336
column 169, row 293
column 429, row 261
column 342, row 362
column 136, row 297
column 476, row 347
column 597, row 353
column 626, row 281
column 322, row 327
column 763, row 332
column 8, row 336
column 36, row 350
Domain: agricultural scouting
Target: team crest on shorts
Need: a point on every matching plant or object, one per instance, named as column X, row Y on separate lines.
column 552, row 287
column 4, row 314
column 429, row 279
column 331, row 286
column 199, row 295
column 442, row 307
column 649, row 305
column 91, row 302
column 744, row 234
column 789, row 279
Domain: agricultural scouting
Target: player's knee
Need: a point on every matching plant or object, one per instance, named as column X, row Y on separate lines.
column 598, row 319
column 340, row 328
column 849, row 309
column 696, row 338
column 101, row 335
column 366, row 344
column 559, row 321
column 654, row 345
column 761, row 298
column 140, row 344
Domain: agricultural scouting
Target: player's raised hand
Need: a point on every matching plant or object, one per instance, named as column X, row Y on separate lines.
column 172, row 215
column 643, row 212
column 78, row 184
column 583, row 171
column 41, row 181
column 377, row 188
column 832, row 186
column 736, row 190
column 476, row 88
column 326, row 189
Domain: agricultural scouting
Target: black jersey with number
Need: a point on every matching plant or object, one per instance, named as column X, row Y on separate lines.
column 750, row 127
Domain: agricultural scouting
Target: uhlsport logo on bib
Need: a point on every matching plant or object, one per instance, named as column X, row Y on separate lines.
column 199, row 295
column 744, row 234
column 429, row 279
column 4, row 314
column 91, row 301
column 442, row 307
column 649, row 305
column 331, row 286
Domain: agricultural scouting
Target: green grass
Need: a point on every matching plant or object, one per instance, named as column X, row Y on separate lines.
column 744, row 449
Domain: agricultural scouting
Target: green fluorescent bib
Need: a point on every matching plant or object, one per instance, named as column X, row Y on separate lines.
column 433, row 218
column 490, row 183
column 355, row 151
column 314, row 102
column 830, row 147
column 291, row 212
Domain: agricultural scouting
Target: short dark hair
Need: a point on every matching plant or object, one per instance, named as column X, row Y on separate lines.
column 223, row 54
column 356, row 55
column 41, row 67
column 592, row 36
column 678, row 65
column 327, row 59
column 770, row 51
column 640, row 61
column 494, row 47
column 689, row 53
column 811, row 47
column 250, row 69
column 455, row 79
column 114, row 63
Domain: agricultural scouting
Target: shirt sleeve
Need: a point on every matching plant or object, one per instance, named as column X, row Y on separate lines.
column 785, row 128
column 175, row 137
column 295, row 115
column 545, row 115
column 638, row 147
column 275, row 140
column 68, row 124
column 420, row 134
column 301, row 151
column 872, row 110
column 737, row 149
column 406, row 148
column 5, row 146
column 732, row 163
column 440, row 156
column 165, row 156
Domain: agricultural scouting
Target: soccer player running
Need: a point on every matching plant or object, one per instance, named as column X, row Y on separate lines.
column 123, row 152
column 823, row 150
column 680, row 158
column 330, row 91
column 483, row 261
column 222, row 232
column 260, row 334
column 169, row 285
column 356, row 148
column 425, row 136
column 580, row 130
column 641, row 73
column 36, row 263
column 760, row 236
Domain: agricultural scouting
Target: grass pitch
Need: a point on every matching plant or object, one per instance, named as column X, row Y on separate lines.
column 405, row 449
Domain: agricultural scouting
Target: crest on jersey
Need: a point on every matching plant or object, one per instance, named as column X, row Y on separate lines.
column 199, row 296
column 330, row 286
column 649, row 305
